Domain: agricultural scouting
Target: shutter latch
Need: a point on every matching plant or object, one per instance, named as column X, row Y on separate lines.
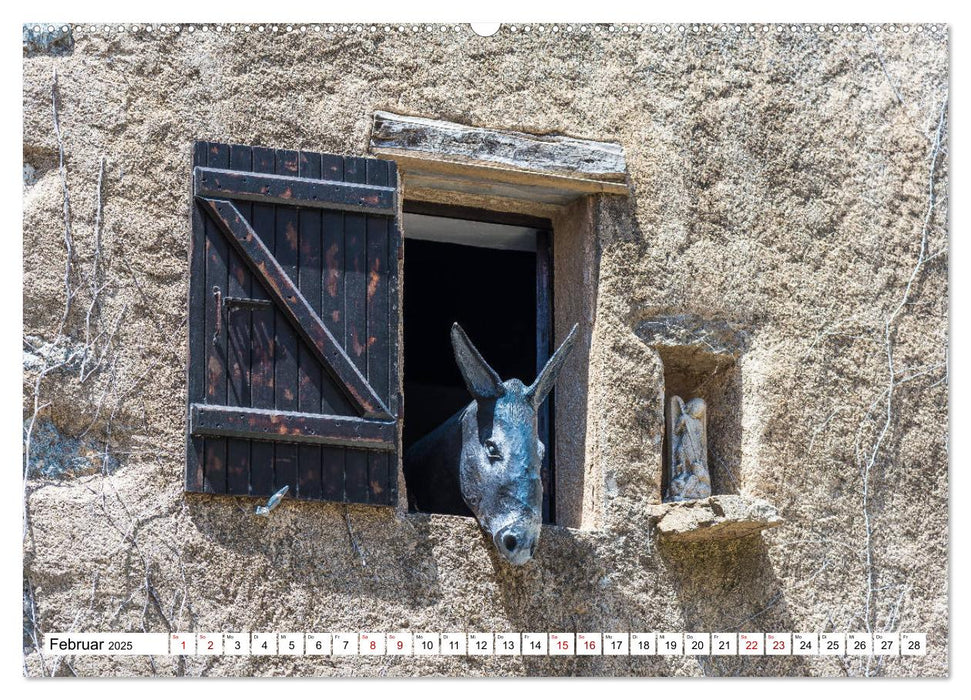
column 218, row 296
column 226, row 305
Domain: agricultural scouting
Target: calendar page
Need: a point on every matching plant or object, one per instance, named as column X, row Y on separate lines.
column 416, row 349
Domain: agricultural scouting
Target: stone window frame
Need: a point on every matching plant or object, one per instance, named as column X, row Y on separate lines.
column 554, row 177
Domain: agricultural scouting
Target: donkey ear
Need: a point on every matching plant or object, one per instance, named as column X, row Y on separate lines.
column 481, row 380
column 536, row 394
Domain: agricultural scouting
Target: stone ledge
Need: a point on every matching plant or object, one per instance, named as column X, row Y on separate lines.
column 715, row 518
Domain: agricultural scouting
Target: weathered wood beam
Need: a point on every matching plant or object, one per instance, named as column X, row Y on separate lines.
column 279, row 285
column 295, row 191
column 555, row 155
column 292, row 426
column 430, row 175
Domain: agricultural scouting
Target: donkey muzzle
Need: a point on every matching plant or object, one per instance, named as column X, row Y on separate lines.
column 516, row 544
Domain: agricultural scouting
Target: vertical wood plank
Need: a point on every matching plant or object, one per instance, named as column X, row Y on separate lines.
column 308, row 472
column 544, row 339
column 332, row 473
column 239, row 323
column 332, row 288
column 395, row 254
column 355, row 320
column 378, row 345
column 310, row 371
column 195, row 446
column 264, row 331
column 332, row 314
column 356, row 476
column 217, row 277
column 287, row 365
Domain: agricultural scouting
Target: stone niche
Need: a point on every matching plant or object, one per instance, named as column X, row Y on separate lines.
column 700, row 359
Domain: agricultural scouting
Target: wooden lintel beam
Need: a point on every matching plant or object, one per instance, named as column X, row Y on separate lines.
column 290, row 426
column 295, row 191
column 535, row 153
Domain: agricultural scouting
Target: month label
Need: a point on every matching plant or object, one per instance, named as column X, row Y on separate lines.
column 113, row 643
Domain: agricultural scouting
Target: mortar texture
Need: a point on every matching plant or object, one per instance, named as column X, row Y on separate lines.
column 792, row 185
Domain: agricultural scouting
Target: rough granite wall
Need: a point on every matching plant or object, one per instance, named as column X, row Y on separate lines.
column 792, row 184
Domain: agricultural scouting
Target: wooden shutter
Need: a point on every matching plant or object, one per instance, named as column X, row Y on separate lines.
column 293, row 325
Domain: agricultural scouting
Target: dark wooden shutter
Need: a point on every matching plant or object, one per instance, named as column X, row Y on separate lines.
column 293, row 325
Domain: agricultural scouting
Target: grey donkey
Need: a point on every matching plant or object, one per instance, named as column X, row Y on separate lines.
column 487, row 457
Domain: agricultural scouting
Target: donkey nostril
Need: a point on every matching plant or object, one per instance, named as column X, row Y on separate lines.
column 509, row 542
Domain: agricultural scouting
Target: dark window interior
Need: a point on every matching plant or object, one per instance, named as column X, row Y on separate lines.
column 490, row 273
column 492, row 294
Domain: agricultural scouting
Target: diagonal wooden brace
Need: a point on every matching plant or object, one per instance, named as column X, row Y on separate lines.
column 286, row 294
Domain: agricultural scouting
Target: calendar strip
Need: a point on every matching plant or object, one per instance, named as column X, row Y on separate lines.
column 489, row 644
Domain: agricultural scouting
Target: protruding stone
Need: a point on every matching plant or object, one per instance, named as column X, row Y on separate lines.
column 716, row 518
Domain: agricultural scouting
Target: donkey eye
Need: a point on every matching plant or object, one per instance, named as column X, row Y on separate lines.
column 492, row 449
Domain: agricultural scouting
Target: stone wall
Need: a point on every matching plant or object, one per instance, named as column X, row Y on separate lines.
column 791, row 186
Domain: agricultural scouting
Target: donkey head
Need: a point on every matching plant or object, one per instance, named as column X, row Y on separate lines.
column 499, row 470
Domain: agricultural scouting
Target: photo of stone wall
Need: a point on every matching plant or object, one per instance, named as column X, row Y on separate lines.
column 750, row 216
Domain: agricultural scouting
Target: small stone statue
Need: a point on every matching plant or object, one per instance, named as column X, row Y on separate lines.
column 688, row 448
